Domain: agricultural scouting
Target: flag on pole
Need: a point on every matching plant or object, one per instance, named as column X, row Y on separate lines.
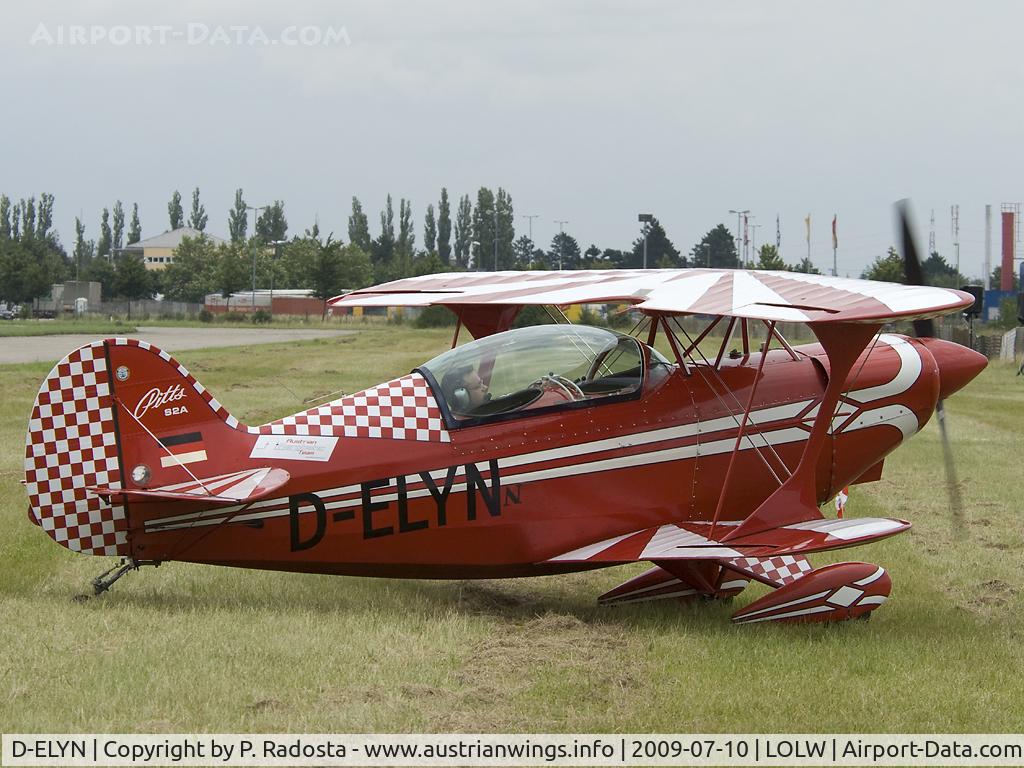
column 778, row 232
column 841, row 499
column 807, row 223
column 835, row 237
column 745, row 231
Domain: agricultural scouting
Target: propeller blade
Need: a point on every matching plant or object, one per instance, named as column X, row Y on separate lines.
column 956, row 504
column 912, row 269
column 914, row 274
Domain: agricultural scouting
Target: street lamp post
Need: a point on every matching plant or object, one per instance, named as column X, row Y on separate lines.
column 530, row 217
column 646, row 219
column 739, row 217
column 495, row 237
column 273, row 268
column 561, row 240
column 255, row 213
column 753, row 243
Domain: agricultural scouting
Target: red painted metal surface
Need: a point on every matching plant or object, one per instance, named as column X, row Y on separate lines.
column 833, row 593
column 1009, row 245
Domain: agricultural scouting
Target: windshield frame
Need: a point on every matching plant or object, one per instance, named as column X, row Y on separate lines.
column 453, row 422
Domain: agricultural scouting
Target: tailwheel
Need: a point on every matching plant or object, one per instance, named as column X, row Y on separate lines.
column 833, row 593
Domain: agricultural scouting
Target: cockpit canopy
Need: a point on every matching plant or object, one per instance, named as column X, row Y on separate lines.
column 528, row 369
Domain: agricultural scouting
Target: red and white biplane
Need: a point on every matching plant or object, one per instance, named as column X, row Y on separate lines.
column 540, row 450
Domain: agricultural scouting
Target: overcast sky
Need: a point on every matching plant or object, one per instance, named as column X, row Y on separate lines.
column 585, row 111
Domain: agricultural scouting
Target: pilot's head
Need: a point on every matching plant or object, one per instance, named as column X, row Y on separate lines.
column 464, row 389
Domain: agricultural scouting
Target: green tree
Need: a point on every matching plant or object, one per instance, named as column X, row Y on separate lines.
column 483, row 229
column 463, row 232
column 80, row 255
column 132, row 280
column 232, row 269
column 444, row 228
column 613, row 258
column 768, row 258
column 117, row 230
column 383, row 250
column 175, row 212
column 522, row 252
column 429, row 264
column 356, row 268
column 888, row 268
column 193, row 273
column 430, row 230
column 5, row 216
column 327, row 268
column 106, row 237
column 406, row 244
column 44, row 216
column 940, row 273
column 16, row 221
column 101, row 270
column 135, row 227
column 806, row 266
column 359, row 227
column 506, row 233
column 716, row 249
column 272, row 224
column 28, row 218
column 592, row 258
column 238, row 219
column 29, row 266
column 197, row 218
column 564, row 252
column 660, row 250
column 997, row 277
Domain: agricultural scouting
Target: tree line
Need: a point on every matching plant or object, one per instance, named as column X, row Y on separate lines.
column 457, row 235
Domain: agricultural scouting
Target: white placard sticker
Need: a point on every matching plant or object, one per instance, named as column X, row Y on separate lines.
column 294, row 447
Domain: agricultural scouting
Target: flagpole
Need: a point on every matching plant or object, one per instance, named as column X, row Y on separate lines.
column 835, row 246
column 807, row 221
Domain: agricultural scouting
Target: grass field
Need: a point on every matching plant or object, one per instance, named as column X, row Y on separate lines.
column 190, row 648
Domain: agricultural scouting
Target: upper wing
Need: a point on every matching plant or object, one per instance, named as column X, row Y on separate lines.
column 756, row 294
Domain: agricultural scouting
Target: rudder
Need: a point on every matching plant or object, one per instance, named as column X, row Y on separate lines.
column 106, row 409
column 71, row 444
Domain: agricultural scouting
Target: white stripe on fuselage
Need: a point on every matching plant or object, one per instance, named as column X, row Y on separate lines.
column 622, row 442
column 777, row 437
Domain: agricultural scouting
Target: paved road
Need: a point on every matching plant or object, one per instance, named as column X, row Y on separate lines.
column 33, row 349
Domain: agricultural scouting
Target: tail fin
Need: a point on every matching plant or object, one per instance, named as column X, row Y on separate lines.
column 110, row 409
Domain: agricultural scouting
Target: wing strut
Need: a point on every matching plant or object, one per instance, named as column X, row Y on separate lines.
column 796, row 500
column 743, row 423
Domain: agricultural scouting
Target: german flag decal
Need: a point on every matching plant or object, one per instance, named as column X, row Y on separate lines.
column 186, row 448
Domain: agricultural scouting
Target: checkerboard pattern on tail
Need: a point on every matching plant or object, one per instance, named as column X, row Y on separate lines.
column 403, row 409
column 70, row 446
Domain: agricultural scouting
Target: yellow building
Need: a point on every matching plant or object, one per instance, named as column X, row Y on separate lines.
column 157, row 252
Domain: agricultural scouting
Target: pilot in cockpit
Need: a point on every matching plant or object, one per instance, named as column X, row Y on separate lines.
column 464, row 389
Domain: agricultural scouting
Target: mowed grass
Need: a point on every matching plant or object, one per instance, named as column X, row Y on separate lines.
column 189, row 648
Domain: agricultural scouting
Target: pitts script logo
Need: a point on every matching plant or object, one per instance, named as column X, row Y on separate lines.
column 158, row 398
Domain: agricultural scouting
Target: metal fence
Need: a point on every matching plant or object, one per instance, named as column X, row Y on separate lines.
column 150, row 308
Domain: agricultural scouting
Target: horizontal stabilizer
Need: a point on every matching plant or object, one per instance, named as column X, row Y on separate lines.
column 221, row 490
column 692, row 541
